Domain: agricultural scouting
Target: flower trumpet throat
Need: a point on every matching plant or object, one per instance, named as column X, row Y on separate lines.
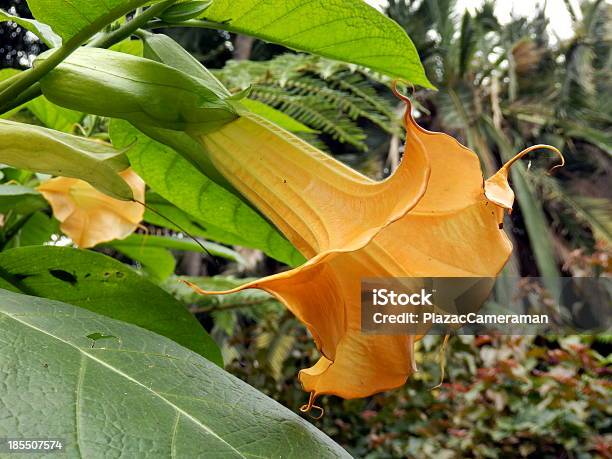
column 432, row 218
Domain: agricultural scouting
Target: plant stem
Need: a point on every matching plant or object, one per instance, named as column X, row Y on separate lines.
column 16, row 92
column 127, row 29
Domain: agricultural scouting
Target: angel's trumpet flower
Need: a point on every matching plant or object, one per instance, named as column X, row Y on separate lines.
column 432, row 218
column 89, row 216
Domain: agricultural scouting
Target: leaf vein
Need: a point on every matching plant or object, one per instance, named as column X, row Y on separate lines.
column 104, row 364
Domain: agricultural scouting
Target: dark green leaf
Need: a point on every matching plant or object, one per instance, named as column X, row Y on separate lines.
column 104, row 285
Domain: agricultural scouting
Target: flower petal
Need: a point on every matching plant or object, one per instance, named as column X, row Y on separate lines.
column 90, row 217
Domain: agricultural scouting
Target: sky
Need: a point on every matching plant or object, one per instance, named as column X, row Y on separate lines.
column 560, row 20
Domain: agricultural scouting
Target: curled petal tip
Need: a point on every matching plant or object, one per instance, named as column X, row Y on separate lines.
column 497, row 188
column 561, row 164
column 195, row 288
column 528, row 150
column 398, row 94
column 311, row 406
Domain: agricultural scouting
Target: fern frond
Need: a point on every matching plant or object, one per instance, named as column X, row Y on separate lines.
column 313, row 112
column 348, row 103
column 328, row 96
column 361, row 88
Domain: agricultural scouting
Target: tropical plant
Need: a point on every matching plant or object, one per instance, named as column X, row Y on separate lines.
column 124, row 159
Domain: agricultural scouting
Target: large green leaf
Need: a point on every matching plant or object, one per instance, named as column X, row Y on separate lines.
column 346, row 30
column 106, row 286
column 67, row 18
column 223, row 216
column 51, row 152
column 110, row 388
column 43, row 31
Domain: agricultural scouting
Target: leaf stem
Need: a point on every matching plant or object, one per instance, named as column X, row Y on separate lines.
column 15, row 94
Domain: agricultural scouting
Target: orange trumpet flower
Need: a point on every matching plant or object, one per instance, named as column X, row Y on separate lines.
column 432, row 218
column 89, row 216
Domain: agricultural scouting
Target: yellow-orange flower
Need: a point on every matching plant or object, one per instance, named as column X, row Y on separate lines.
column 90, row 217
column 431, row 218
